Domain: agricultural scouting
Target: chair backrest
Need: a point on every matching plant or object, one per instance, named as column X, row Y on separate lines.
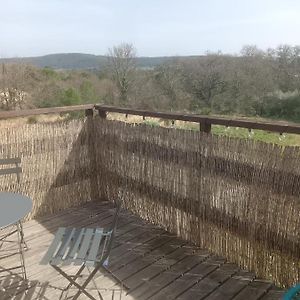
column 6, row 167
column 118, row 205
column 110, row 234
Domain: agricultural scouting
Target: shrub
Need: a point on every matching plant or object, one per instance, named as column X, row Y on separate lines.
column 32, row 120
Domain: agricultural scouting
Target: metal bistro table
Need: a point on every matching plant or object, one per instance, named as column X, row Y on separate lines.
column 13, row 208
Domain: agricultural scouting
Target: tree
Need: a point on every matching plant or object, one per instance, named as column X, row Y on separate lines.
column 168, row 78
column 287, row 70
column 87, row 92
column 13, row 83
column 252, row 51
column 70, row 97
column 203, row 78
column 122, row 64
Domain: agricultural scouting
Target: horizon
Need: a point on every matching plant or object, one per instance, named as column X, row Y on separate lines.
column 208, row 52
column 169, row 28
column 104, row 55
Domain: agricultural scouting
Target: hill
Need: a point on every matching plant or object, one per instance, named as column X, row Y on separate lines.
column 82, row 61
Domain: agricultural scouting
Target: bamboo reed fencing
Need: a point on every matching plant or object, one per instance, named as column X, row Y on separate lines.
column 238, row 198
column 56, row 170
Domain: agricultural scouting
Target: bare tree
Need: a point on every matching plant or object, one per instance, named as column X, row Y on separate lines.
column 203, row 78
column 168, row 77
column 252, row 51
column 13, row 86
column 122, row 63
column 287, row 71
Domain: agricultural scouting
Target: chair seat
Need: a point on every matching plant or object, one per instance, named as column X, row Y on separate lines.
column 76, row 246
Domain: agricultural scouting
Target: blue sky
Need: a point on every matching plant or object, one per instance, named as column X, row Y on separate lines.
column 155, row 27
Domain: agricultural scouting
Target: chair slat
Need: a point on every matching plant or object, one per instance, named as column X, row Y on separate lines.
column 67, row 244
column 54, row 246
column 75, row 249
column 95, row 244
column 85, row 243
column 10, row 161
column 63, row 242
column 74, row 246
column 8, row 171
column 64, row 247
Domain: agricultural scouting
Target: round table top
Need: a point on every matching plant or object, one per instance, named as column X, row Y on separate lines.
column 13, row 207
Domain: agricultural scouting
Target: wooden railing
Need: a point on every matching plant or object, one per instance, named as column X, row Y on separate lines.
column 45, row 111
column 205, row 122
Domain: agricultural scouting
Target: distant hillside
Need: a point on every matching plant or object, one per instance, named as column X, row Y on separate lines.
column 82, row 61
column 62, row 61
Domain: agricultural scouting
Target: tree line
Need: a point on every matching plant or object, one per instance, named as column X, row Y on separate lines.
column 252, row 83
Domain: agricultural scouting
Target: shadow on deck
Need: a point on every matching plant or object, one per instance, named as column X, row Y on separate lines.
column 152, row 263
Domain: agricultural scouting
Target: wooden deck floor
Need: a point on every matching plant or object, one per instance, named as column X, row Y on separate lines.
column 153, row 264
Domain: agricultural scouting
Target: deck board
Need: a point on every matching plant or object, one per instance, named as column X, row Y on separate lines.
column 152, row 263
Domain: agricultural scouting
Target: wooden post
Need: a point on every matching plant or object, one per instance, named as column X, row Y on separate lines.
column 102, row 113
column 205, row 126
column 89, row 112
column 93, row 175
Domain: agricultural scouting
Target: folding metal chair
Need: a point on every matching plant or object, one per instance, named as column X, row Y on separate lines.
column 84, row 247
column 11, row 166
column 7, row 169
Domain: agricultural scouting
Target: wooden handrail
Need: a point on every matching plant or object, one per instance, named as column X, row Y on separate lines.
column 206, row 121
column 43, row 111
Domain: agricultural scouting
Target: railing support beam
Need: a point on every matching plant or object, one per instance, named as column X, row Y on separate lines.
column 89, row 112
column 205, row 126
column 102, row 113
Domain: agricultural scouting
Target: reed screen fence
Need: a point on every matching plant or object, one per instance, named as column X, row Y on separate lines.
column 237, row 198
column 56, row 164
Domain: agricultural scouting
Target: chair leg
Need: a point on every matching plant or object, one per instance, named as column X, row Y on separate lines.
column 21, row 249
column 3, row 238
column 90, row 277
column 81, row 288
column 22, row 236
column 116, row 278
column 76, row 276
column 96, row 285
